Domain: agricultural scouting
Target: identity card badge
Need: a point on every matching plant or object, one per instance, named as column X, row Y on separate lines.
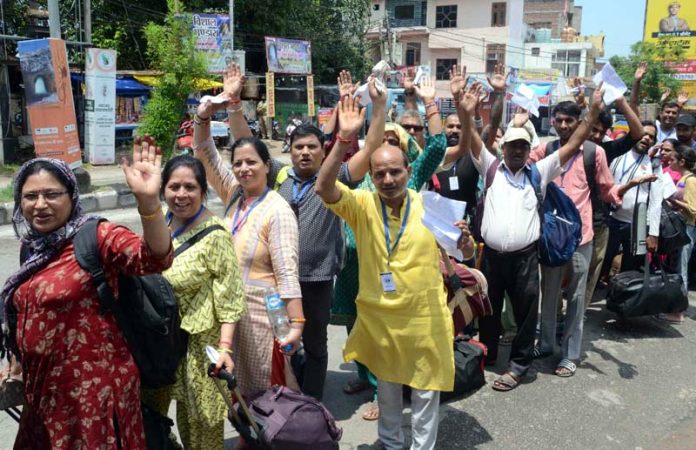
column 454, row 183
column 388, row 285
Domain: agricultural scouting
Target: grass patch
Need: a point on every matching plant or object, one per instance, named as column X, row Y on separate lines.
column 7, row 194
column 8, row 169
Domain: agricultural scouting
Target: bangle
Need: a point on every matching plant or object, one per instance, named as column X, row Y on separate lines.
column 234, row 102
column 478, row 122
column 224, row 350
column 343, row 140
column 431, row 104
column 234, row 110
column 434, row 113
column 198, row 120
column 157, row 213
column 298, row 320
column 224, row 342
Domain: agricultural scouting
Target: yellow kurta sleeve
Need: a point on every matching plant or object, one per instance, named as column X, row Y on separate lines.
column 351, row 204
column 690, row 199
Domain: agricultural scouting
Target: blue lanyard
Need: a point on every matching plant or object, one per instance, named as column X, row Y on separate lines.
column 623, row 166
column 238, row 224
column 391, row 249
column 186, row 224
column 298, row 193
column 512, row 182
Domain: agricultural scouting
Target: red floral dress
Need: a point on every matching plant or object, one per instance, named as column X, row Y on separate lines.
column 82, row 387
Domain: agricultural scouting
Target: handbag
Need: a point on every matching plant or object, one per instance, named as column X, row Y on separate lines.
column 673, row 234
column 635, row 293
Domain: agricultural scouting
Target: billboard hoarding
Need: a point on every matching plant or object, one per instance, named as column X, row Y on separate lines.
column 671, row 23
column 213, row 39
column 288, row 56
column 310, row 95
column 270, row 94
column 100, row 105
column 49, row 97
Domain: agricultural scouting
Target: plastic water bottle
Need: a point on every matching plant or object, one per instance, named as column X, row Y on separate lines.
column 278, row 316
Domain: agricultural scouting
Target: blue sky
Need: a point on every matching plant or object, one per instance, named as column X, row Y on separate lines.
column 620, row 20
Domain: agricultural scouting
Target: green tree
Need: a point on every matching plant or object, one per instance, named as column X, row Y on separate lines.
column 170, row 49
column 658, row 76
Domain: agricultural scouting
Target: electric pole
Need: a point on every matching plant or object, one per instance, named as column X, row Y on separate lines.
column 88, row 20
column 389, row 38
column 232, row 25
column 54, row 18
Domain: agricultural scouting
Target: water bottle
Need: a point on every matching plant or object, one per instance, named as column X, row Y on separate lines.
column 278, row 316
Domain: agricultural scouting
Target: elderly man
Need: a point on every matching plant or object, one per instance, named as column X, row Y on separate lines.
column 510, row 228
column 403, row 331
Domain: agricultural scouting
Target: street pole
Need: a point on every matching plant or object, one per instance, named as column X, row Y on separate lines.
column 389, row 39
column 88, row 20
column 54, row 18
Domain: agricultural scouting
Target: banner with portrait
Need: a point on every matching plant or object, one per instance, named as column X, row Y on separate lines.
column 213, row 39
column 288, row 56
column 672, row 23
column 49, row 99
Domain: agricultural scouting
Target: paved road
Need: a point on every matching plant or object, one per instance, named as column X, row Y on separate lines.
column 634, row 389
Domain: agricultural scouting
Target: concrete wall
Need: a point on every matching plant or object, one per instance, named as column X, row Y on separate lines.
column 547, row 50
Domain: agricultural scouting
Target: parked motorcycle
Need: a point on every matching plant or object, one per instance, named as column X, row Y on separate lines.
column 275, row 130
column 184, row 139
column 292, row 124
column 255, row 127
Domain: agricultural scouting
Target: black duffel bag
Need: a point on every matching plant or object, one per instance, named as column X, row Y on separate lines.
column 672, row 230
column 639, row 293
column 469, row 357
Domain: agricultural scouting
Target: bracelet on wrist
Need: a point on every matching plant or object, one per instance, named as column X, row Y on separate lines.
column 297, row 320
column 225, row 342
column 430, row 105
column 156, row 214
column 198, row 120
column 434, row 113
column 343, row 140
column 225, row 350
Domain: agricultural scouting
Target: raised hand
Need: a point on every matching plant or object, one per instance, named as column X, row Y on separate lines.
column 640, row 71
column 665, row 95
column 470, row 98
column 233, row 81
column 144, row 175
column 409, row 87
column 580, row 93
column 597, row 98
column 376, row 95
column 497, row 80
column 345, row 83
column 350, row 117
column 426, row 90
column 458, row 80
column 520, row 118
column 682, row 98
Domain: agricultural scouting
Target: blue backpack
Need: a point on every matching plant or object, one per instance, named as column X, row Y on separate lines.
column 561, row 227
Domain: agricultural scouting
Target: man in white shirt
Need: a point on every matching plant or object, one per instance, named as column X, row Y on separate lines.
column 636, row 163
column 510, row 228
column 666, row 124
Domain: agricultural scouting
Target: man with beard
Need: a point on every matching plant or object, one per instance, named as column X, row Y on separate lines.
column 636, row 163
column 685, row 126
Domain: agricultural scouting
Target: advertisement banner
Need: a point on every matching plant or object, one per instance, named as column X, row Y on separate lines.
column 49, row 98
column 288, row 56
column 213, row 39
column 270, row 94
column 310, row 95
column 100, row 105
column 671, row 23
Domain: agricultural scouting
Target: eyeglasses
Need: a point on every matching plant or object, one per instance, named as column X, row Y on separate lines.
column 415, row 128
column 48, row 196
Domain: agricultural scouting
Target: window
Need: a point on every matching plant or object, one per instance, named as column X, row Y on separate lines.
column 442, row 68
column 404, row 12
column 498, row 14
column 446, row 16
column 536, row 51
column 495, row 54
column 567, row 62
column 537, row 25
column 413, row 53
column 375, row 7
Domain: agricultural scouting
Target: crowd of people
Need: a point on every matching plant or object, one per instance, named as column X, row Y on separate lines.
column 338, row 234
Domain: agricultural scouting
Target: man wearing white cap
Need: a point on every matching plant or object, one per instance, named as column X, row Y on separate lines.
column 510, row 228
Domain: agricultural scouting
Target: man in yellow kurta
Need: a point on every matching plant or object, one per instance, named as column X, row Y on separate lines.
column 403, row 332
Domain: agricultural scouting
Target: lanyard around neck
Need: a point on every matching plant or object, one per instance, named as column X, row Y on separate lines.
column 300, row 189
column 513, row 183
column 385, row 218
column 186, row 224
column 633, row 166
column 238, row 224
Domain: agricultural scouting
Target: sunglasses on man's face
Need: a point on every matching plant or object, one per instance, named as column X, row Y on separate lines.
column 415, row 128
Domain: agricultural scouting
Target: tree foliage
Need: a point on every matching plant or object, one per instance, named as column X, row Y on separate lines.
column 170, row 49
column 658, row 77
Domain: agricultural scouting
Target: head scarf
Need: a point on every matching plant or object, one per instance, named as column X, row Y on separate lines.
column 407, row 143
column 41, row 248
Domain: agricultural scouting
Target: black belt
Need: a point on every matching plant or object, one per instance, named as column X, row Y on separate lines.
column 523, row 251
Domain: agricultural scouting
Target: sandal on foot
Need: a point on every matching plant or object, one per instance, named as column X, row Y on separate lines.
column 537, row 353
column 355, row 386
column 507, row 339
column 506, row 382
column 566, row 368
column 372, row 412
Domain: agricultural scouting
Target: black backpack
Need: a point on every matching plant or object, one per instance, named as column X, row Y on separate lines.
column 146, row 310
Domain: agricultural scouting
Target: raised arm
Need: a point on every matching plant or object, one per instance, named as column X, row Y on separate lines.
column 426, row 92
column 350, row 120
column 233, row 80
column 359, row 164
column 466, row 110
column 497, row 82
column 345, row 85
column 457, row 85
column 410, row 98
column 635, row 127
column 635, row 89
column 582, row 132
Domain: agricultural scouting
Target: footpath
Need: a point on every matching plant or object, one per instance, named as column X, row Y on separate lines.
column 110, row 191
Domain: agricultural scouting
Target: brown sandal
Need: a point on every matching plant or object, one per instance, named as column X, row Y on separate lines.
column 506, row 382
column 372, row 412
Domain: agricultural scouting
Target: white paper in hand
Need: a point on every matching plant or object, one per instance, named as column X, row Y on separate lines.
column 215, row 100
column 440, row 215
column 364, row 93
column 613, row 86
column 526, row 98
